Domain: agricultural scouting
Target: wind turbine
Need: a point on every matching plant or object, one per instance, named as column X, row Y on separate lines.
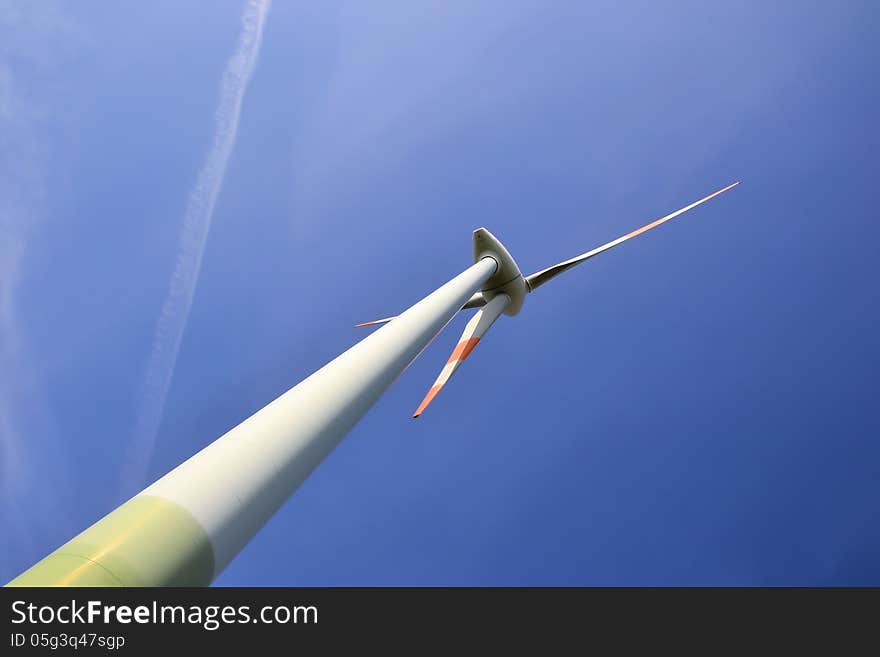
column 183, row 529
column 506, row 290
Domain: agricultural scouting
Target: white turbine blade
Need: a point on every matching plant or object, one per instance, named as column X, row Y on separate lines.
column 384, row 320
column 541, row 277
column 476, row 327
column 475, row 301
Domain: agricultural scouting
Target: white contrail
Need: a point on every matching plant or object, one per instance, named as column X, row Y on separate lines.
column 196, row 223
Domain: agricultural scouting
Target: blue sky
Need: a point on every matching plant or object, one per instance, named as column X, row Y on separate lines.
column 697, row 406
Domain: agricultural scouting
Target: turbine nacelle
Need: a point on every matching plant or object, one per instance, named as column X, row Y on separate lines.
column 507, row 279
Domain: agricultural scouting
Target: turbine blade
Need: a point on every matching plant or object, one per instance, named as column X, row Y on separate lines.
column 473, row 331
column 375, row 321
column 475, row 301
column 541, row 277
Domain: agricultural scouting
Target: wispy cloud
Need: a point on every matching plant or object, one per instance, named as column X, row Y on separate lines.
column 194, row 234
column 35, row 39
column 11, row 441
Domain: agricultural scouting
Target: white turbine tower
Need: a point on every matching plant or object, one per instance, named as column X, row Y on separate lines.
column 187, row 526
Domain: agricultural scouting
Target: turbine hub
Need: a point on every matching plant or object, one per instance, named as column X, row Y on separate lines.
column 507, row 277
